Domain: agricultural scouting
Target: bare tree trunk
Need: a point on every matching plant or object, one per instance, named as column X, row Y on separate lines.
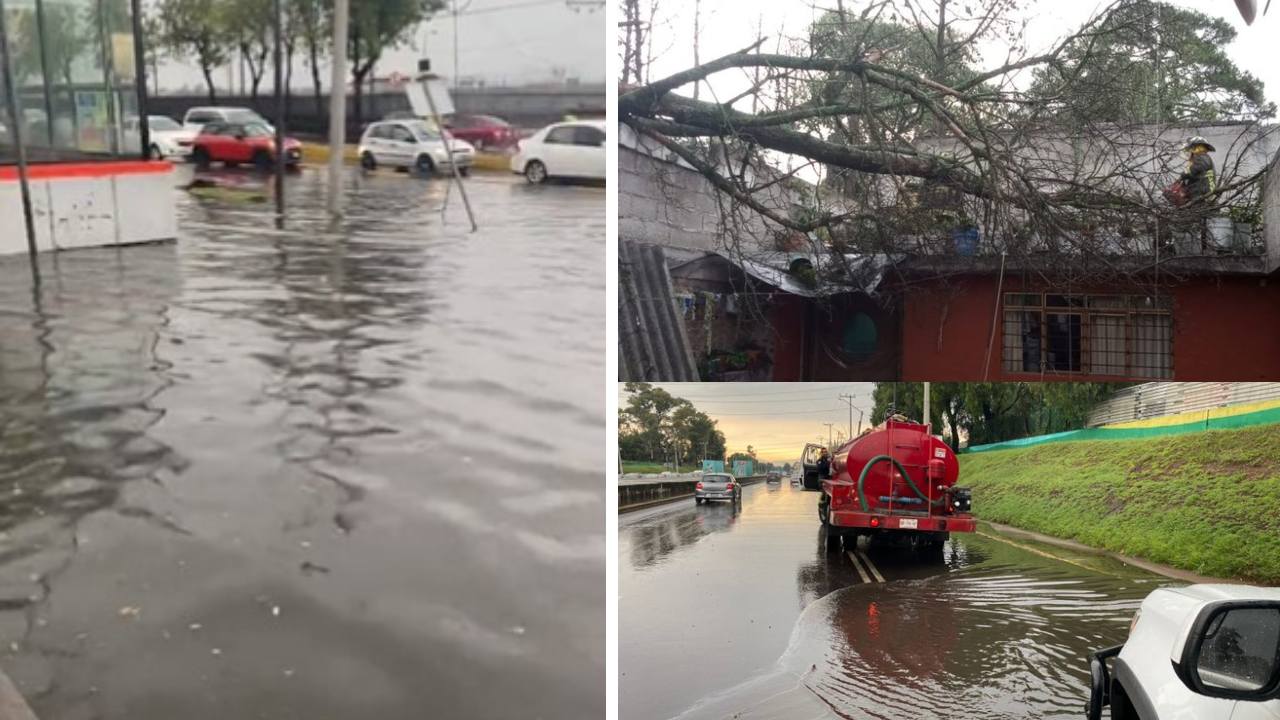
column 207, row 69
column 314, row 51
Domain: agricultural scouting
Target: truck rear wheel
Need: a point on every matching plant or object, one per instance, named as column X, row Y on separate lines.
column 824, row 510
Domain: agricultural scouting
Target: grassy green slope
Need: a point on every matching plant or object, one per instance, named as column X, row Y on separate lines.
column 1207, row 502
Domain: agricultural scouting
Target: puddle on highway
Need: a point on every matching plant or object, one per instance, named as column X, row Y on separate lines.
column 986, row 630
column 318, row 472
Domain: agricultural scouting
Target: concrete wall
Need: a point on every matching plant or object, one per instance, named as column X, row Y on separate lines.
column 89, row 205
column 633, row 496
column 1271, row 215
column 1159, row 399
column 665, row 202
column 522, row 107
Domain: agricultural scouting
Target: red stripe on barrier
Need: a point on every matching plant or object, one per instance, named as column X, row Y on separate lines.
column 55, row 171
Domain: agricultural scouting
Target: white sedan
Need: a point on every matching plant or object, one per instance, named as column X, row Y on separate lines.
column 413, row 144
column 564, row 150
column 1199, row 652
column 167, row 139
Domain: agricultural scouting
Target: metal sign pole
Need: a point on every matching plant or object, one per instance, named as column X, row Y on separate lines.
column 15, row 134
column 448, row 148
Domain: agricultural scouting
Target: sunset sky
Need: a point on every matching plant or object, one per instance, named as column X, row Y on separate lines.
column 777, row 419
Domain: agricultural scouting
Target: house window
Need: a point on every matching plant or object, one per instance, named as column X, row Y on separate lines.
column 1113, row 335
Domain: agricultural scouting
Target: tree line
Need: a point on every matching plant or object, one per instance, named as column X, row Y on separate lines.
column 209, row 33
column 993, row 412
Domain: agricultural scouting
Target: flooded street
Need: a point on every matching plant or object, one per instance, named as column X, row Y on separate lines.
column 728, row 612
column 314, row 472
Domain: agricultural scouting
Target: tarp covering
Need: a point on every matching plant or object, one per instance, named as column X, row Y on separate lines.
column 1225, row 418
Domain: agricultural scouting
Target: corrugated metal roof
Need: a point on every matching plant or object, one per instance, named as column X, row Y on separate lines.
column 652, row 343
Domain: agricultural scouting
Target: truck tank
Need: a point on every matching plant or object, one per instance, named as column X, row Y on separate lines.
column 898, row 479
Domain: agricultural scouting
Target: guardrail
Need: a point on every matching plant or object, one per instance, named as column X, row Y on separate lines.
column 637, row 495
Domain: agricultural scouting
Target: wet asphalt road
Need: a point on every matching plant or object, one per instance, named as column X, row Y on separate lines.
column 742, row 613
column 319, row 472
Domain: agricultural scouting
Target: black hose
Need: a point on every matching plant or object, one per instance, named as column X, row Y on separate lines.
column 862, row 498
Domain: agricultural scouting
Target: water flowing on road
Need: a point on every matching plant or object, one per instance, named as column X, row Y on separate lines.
column 311, row 472
column 744, row 612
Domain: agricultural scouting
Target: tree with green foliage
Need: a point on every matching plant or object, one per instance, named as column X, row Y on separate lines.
column 249, row 26
column 993, row 412
column 378, row 26
column 656, row 426
column 194, row 29
column 1152, row 62
column 309, row 23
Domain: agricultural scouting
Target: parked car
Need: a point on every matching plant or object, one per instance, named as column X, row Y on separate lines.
column 563, row 150
column 1196, row 652
column 485, row 132
column 167, row 139
column 412, row 144
column 717, row 486
column 235, row 143
column 773, row 477
column 198, row 117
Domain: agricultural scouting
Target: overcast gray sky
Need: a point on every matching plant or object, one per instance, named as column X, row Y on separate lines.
column 512, row 41
column 728, row 25
column 776, row 419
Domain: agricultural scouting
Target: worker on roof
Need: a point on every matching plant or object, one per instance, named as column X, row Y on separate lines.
column 824, row 464
column 1199, row 179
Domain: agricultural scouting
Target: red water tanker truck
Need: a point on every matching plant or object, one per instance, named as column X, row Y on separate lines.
column 897, row 481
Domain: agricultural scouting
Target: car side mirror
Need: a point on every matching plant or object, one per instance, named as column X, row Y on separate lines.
column 1232, row 651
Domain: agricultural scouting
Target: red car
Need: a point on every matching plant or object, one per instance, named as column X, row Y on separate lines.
column 235, row 143
column 483, row 131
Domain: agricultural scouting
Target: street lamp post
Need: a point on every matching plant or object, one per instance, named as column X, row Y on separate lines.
column 829, row 426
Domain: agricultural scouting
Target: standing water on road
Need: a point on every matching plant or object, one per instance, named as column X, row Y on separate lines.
column 728, row 612
column 314, row 472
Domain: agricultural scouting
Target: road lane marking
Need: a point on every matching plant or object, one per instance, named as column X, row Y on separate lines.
column 854, row 559
column 872, row 568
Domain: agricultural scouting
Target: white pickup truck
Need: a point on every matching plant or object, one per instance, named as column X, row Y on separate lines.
column 1199, row 652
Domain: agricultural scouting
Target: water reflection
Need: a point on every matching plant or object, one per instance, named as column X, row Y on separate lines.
column 654, row 540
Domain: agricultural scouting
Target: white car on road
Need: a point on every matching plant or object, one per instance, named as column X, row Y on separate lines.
column 564, row 150
column 412, row 144
column 1202, row 652
column 197, row 117
column 167, row 139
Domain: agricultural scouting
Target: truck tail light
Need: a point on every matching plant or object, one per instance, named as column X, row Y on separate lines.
column 875, row 522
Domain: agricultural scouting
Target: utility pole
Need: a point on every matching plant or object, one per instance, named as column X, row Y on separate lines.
column 849, row 399
column 829, row 426
column 278, row 21
column 338, row 105
column 926, row 403
column 697, row 12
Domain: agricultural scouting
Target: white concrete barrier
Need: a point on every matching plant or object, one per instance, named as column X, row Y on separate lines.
column 92, row 204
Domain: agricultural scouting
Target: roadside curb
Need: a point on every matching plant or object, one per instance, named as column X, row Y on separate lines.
column 1152, row 567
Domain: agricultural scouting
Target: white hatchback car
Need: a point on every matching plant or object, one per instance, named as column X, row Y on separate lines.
column 1200, row 652
column 564, row 150
column 412, row 144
